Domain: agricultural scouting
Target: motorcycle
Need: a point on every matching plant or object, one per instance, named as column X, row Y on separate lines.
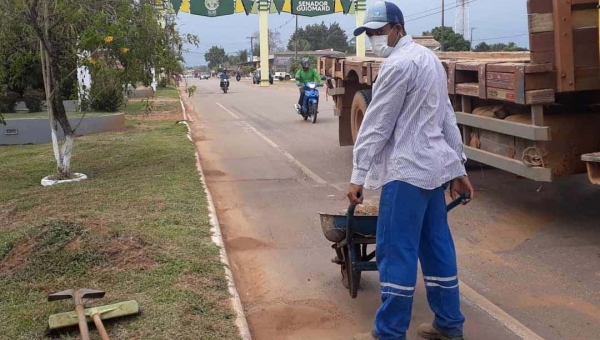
column 225, row 85
column 310, row 105
column 238, row 77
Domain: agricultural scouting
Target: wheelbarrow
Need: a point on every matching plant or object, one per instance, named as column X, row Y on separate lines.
column 352, row 236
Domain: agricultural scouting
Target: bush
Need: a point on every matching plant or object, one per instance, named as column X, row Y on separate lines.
column 34, row 100
column 163, row 82
column 106, row 93
column 8, row 100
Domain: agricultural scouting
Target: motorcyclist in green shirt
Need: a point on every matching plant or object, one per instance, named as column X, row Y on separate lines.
column 305, row 75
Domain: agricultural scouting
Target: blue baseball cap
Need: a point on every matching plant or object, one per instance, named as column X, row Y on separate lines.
column 380, row 14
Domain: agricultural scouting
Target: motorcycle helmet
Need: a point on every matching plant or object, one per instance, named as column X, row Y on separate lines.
column 305, row 63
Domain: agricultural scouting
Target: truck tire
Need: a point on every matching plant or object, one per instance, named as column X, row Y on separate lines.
column 361, row 101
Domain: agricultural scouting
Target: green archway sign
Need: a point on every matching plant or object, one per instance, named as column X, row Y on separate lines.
column 307, row 8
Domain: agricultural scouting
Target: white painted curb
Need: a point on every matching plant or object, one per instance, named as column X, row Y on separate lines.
column 47, row 181
column 217, row 238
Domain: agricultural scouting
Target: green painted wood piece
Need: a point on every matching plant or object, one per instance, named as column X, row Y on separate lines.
column 116, row 310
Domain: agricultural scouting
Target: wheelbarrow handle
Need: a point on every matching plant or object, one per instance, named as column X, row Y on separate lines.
column 457, row 201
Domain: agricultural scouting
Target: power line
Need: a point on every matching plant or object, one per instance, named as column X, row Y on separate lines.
column 498, row 38
column 429, row 10
column 438, row 12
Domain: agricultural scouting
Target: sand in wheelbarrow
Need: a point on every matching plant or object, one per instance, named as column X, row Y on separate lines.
column 363, row 210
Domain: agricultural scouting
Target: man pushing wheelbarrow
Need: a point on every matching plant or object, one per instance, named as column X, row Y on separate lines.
column 410, row 146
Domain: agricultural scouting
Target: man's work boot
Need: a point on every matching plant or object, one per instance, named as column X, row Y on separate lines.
column 428, row 331
column 364, row 336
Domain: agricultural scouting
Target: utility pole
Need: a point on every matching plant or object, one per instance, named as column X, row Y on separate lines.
column 471, row 37
column 251, row 48
column 296, row 40
column 442, row 39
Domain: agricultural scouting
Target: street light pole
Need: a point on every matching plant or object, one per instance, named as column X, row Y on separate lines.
column 296, row 40
column 251, row 47
column 442, row 39
column 471, row 37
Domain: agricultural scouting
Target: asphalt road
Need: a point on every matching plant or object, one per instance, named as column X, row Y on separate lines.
column 529, row 254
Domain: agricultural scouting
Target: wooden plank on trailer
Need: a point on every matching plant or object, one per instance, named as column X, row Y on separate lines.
column 587, row 79
column 520, row 130
column 468, row 66
column 541, row 42
column 336, row 91
column 520, row 85
column 540, row 81
column 585, row 47
column 451, row 77
column 539, row 97
column 508, row 164
column 482, row 81
column 542, row 57
column 538, row 68
column 501, row 94
column 468, row 89
column 585, row 18
column 563, row 36
column 501, row 80
column 584, row 2
column 482, row 55
column 541, row 22
column 539, row 6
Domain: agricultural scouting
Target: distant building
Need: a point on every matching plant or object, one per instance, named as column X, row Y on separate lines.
column 280, row 61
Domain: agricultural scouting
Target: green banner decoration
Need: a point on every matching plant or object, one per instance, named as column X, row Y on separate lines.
column 312, row 8
column 346, row 5
column 247, row 6
column 278, row 5
column 176, row 5
column 212, row 8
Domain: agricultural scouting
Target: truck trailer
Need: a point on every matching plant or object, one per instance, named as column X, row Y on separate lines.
column 535, row 114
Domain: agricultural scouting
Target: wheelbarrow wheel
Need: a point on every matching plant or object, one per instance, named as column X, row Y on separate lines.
column 352, row 280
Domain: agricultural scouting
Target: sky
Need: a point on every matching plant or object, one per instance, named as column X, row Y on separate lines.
column 494, row 21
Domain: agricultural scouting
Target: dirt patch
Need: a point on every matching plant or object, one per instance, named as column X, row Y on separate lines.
column 126, row 253
column 18, row 255
column 155, row 116
column 282, row 320
column 363, row 210
column 7, row 213
column 154, row 99
column 215, row 173
column 584, row 308
column 246, row 243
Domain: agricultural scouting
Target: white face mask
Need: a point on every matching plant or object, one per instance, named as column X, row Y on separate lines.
column 379, row 44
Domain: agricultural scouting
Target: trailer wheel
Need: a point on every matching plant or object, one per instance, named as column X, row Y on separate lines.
column 361, row 101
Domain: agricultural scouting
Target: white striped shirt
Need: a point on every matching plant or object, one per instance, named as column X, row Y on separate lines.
column 409, row 131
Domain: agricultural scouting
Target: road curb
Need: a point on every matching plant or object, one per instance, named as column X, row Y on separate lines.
column 217, row 238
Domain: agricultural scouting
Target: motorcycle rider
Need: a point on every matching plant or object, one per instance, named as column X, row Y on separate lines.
column 223, row 75
column 305, row 74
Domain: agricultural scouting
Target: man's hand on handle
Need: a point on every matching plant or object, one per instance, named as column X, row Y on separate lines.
column 461, row 186
column 355, row 194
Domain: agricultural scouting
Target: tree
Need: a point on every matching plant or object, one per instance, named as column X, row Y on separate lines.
column 215, row 57
column 243, row 55
column 319, row 37
column 275, row 44
column 127, row 36
column 500, row 47
column 482, row 47
column 453, row 42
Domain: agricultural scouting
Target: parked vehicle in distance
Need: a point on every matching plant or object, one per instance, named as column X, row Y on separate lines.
column 283, row 76
column 256, row 77
column 204, row 75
